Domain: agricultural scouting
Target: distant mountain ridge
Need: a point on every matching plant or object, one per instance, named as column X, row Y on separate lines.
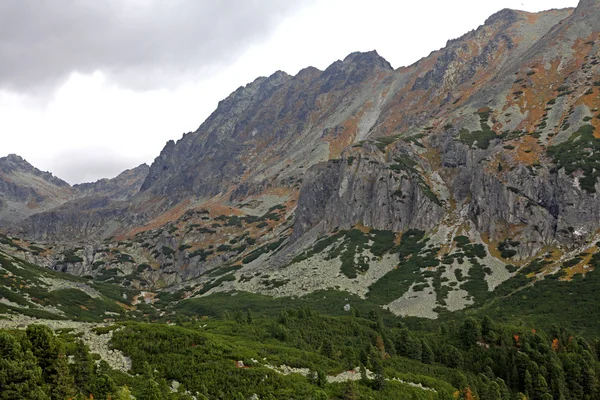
column 25, row 190
column 122, row 187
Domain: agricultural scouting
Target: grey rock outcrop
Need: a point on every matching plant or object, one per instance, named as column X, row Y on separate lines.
column 366, row 190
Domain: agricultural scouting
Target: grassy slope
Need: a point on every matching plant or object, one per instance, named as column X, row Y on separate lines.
column 23, row 284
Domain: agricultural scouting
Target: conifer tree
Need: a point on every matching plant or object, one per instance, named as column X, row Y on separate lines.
column 82, row 368
column 61, row 381
column 151, row 391
column 20, row 376
column 351, row 391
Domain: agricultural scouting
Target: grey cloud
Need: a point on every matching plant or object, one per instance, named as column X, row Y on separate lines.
column 141, row 44
column 90, row 164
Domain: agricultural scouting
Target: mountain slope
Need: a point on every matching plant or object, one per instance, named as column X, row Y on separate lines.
column 39, row 292
column 264, row 136
column 422, row 189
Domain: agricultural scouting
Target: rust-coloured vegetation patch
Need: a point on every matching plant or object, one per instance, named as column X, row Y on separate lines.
column 362, row 228
column 125, row 306
column 172, row 214
column 338, row 141
column 528, row 151
column 581, row 268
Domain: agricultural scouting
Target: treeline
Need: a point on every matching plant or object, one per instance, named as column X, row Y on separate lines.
column 475, row 358
column 233, row 358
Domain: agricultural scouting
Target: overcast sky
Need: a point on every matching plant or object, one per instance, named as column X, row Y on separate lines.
column 89, row 88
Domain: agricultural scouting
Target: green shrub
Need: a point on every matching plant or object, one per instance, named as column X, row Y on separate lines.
column 482, row 138
column 581, row 152
column 70, row 257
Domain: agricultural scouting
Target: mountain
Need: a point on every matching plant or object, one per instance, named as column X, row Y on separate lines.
column 430, row 232
column 423, row 189
column 24, row 190
column 122, row 187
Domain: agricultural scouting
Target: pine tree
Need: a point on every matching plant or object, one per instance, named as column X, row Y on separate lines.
column 351, row 391
column 20, row 376
column 327, row 348
column 379, row 372
column 104, row 386
column 239, row 317
column 454, row 358
column 487, row 329
column 50, row 353
column 321, row 378
column 82, row 368
column 43, row 346
column 123, row 394
column 493, row 392
column 528, row 383
column 150, row 391
column 283, row 318
column 504, row 391
column 320, row 395
column 363, row 357
column 427, row 356
column 61, row 381
column 443, row 329
column 470, row 332
column 363, row 374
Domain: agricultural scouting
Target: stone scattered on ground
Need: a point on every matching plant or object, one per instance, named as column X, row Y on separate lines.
column 98, row 344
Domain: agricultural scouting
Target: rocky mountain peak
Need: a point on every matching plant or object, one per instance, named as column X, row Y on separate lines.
column 277, row 78
column 369, row 60
column 160, row 164
column 505, row 15
column 308, row 72
column 354, row 69
column 13, row 158
column 15, row 163
column 261, row 84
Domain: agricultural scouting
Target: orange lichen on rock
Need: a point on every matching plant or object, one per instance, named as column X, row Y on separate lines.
column 528, row 151
column 338, row 141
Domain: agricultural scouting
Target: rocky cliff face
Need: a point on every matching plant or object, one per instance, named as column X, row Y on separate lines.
column 363, row 187
column 482, row 143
